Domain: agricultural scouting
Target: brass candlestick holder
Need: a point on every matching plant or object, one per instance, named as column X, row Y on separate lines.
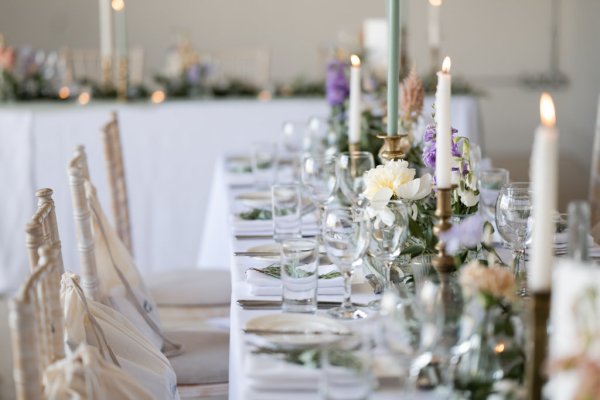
column 442, row 262
column 393, row 148
column 538, row 343
column 122, row 79
column 353, row 147
column 107, row 74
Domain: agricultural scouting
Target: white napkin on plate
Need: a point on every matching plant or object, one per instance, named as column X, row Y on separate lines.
column 264, row 285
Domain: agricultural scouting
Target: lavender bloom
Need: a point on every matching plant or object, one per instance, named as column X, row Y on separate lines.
column 429, row 145
column 336, row 85
column 467, row 234
column 193, row 73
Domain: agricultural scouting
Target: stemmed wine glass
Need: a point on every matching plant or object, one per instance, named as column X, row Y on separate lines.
column 292, row 141
column 318, row 178
column 350, row 170
column 346, row 238
column 490, row 182
column 387, row 240
column 514, row 220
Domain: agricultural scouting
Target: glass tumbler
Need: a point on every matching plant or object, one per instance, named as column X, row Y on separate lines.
column 286, row 207
column 299, row 275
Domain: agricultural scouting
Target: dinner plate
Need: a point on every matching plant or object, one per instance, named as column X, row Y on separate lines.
column 325, row 330
column 274, row 248
column 258, row 199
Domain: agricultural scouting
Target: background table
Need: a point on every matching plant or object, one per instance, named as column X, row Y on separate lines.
column 170, row 153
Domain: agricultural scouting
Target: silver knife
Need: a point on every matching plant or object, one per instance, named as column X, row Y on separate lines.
column 265, row 236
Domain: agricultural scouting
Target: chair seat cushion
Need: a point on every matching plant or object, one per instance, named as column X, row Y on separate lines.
column 190, row 287
column 205, row 357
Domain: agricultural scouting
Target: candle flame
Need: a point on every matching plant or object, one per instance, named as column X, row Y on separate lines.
column 499, row 348
column 547, row 113
column 446, row 65
column 117, row 5
column 64, row 93
column 435, row 3
column 355, row 60
column 157, row 97
column 84, row 98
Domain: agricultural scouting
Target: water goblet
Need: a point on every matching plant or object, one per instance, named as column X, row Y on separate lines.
column 490, row 182
column 514, row 220
column 319, row 180
column 346, row 239
column 350, row 170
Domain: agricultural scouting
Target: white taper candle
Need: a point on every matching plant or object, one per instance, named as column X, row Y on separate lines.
column 354, row 111
column 544, row 181
column 443, row 146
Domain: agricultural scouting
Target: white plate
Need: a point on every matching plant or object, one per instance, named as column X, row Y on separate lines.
column 295, row 323
column 267, row 248
column 259, row 199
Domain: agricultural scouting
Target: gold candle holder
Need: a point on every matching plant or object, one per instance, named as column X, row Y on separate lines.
column 393, row 148
column 106, row 72
column 539, row 313
column 122, row 79
column 442, row 262
column 353, row 147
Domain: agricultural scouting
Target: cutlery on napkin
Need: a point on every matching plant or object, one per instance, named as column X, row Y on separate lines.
column 276, row 304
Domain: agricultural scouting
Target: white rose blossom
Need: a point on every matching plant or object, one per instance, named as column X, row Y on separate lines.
column 394, row 178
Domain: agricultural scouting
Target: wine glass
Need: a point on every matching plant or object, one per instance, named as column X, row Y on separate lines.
column 514, row 220
column 319, row 180
column 387, row 240
column 490, row 182
column 346, row 238
column 350, row 170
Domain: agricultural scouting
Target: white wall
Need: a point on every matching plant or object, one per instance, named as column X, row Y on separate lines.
column 491, row 42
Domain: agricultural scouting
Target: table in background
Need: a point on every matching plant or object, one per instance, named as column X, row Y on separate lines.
column 170, row 153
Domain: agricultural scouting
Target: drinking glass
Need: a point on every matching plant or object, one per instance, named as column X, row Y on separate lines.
column 299, row 275
column 292, row 141
column 319, row 180
column 387, row 240
column 286, row 207
column 350, row 170
column 346, row 238
column 264, row 160
column 514, row 220
column 490, row 182
column 315, row 141
column 347, row 368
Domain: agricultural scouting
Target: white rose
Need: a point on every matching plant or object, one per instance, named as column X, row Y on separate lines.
column 467, row 197
column 415, row 189
column 378, row 207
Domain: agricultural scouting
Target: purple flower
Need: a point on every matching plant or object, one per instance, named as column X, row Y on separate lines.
column 336, row 85
column 429, row 145
column 466, row 234
column 193, row 73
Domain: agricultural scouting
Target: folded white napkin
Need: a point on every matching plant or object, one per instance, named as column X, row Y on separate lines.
column 241, row 226
column 264, row 285
column 268, row 377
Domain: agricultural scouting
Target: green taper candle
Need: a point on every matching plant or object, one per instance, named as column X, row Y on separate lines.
column 393, row 66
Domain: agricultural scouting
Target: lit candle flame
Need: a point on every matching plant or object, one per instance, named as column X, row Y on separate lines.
column 547, row 113
column 64, row 93
column 118, row 5
column 84, row 98
column 157, row 97
column 355, row 60
column 446, row 65
column 435, row 3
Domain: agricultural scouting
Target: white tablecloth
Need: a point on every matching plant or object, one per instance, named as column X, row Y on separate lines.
column 170, row 152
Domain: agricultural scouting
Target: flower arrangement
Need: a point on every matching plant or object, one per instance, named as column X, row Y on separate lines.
column 495, row 284
column 465, row 198
column 394, row 180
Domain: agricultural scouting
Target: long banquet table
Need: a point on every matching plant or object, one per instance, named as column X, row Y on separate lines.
column 171, row 150
column 241, row 386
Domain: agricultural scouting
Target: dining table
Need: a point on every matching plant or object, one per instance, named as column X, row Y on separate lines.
column 265, row 377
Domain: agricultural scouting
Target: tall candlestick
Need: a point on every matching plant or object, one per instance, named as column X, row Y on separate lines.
column 393, row 66
column 120, row 28
column 443, row 140
column 354, row 112
column 544, row 164
column 434, row 23
column 105, row 30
